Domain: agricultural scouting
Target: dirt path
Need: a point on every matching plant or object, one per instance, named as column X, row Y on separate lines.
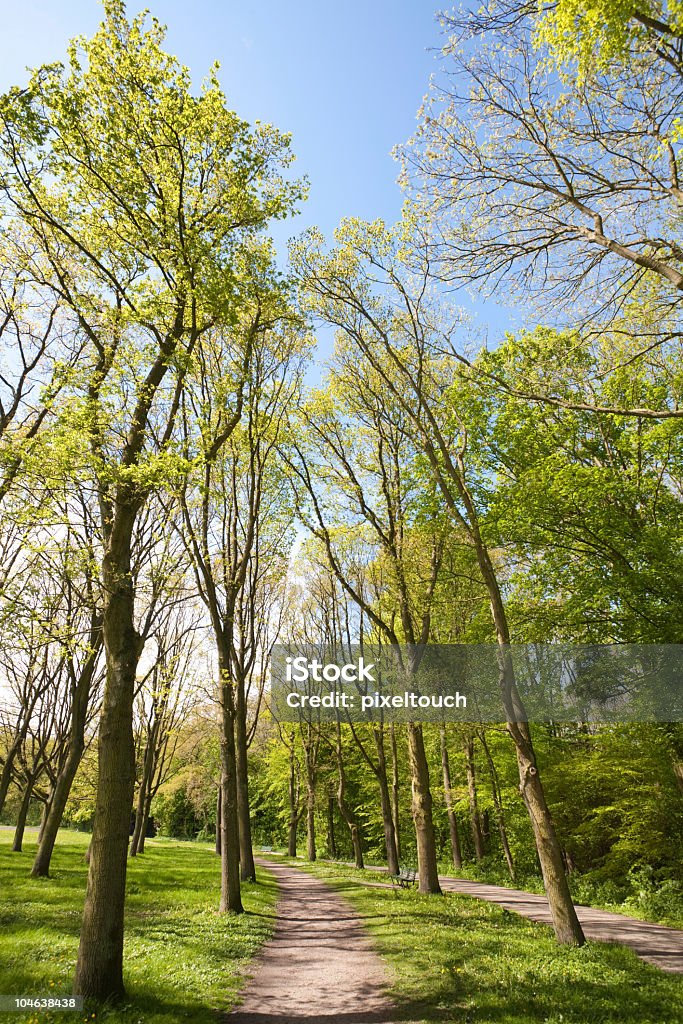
column 319, row 967
column 655, row 943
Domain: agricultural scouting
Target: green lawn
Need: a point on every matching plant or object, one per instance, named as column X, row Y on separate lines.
column 459, row 960
column 183, row 960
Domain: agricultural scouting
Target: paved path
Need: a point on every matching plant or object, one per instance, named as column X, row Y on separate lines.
column 319, row 967
column 655, row 943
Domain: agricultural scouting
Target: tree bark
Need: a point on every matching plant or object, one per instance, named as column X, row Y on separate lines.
column 99, row 968
column 21, row 818
column 8, row 764
column 395, row 793
column 498, row 805
column 293, row 796
column 331, row 838
column 136, row 846
column 385, row 803
column 422, row 812
column 475, row 820
column 344, row 809
column 145, row 821
column 62, row 788
column 310, row 821
column 448, row 797
column 231, row 898
column 247, row 866
column 219, row 818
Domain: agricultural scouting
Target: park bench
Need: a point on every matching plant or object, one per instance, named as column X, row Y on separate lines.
column 405, row 878
column 266, row 849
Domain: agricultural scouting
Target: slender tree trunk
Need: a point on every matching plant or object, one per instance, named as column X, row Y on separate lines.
column 566, row 924
column 21, row 818
column 145, row 821
column 475, row 819
column 331, row 838
column 310, row 820
column 52, row 820
column 231, row 898
column 99, row 968
column 422, row 812
column 395, row 794
column 8, row 764
column 247, row 866
column 344, row 809
column 43, row 817
column 498, row 805
column 145, row 782
column 385, row 803
column 448, row 797
column 219, row 818
column 294, row 812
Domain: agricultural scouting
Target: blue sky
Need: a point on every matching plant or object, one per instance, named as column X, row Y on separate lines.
column 346, row 79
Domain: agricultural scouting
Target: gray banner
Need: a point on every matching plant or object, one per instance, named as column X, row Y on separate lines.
column 477, row 682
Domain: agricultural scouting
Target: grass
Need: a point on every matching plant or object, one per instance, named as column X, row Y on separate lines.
column 183, row 960
column 459, row 960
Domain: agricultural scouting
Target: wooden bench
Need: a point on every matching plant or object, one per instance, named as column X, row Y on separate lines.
column 266, row 849
column 405, row 878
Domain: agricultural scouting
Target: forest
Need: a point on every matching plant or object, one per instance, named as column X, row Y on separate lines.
column 209, row 450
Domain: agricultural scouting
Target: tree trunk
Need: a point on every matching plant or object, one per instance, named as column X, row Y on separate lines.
column 310, row 820
column 422, row 812
column 475, row 820
column 52, row 820
column 8, row 764
column 55, row 812
column 344, row 809
column 136, row 846
column 294, row 812
column 448, row 797
column 145, row 821
column 219, row 817
column 565, row 922
column 331, row 838
column 21, row 818
column 395, row 792
column 44, row 815
column 99, row 968
column 247, row 866
column 385, row 803
column 231, row 898
column 498, row 805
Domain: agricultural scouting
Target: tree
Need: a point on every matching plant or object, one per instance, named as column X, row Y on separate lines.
column 390, row 321
column 224, row 507
column 353, row 483
column 139, row 199
column 585, row 174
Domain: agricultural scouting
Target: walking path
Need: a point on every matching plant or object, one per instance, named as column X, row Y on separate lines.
column 319, row 967
column 655, row 943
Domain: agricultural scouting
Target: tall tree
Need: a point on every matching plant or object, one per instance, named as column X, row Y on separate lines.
column 138, row 197
column 390, row 319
